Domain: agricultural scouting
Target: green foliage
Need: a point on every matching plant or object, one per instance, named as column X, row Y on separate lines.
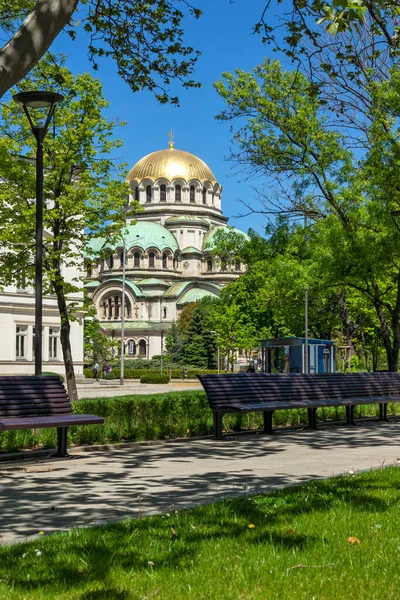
column 195, row 327
column 82, row 186
column 130, row 373
column 174, row 344
column 346, row 252
column 159, row 416
column 146, row 40
column 50, row 374
column 154, row 378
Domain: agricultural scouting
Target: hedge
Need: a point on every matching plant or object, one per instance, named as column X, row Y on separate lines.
column 154, row 378
column 160, row 416
column 139, row 373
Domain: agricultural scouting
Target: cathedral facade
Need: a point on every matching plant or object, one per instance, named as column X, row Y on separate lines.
column 168, row 251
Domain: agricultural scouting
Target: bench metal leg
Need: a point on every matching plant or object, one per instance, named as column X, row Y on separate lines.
column 350, row 415
column 268, row 421
column 62, row 441
column 217, row 424
column 312, row 418
column 383, row 411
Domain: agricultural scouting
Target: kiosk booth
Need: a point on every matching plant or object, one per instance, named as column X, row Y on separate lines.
column 287, row 355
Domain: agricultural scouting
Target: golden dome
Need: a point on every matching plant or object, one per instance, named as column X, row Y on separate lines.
column 171, row 164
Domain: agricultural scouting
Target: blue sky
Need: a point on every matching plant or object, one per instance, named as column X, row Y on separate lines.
column 224, row 36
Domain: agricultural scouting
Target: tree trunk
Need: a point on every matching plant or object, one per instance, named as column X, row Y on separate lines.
column 349, row 326
column 392, row 349
column 65, row 342
column 36, row 34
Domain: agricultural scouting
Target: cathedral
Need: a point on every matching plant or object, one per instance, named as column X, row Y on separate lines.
column 168, row 258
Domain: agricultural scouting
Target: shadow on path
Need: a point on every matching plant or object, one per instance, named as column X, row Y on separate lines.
column 100, row 486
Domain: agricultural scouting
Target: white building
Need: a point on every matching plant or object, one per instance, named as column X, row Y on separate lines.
column 17, row 327
column 168, row 258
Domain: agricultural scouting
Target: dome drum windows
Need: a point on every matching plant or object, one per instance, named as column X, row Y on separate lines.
column 136, row 260
column 209, row 264
column 178, row 193
column 149, row 193
column 163, row 193
column 152, row 260
column 192, row 194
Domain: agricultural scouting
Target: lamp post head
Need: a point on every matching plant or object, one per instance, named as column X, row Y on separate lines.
column 38, row 99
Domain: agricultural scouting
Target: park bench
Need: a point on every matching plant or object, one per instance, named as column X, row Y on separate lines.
column 29, row 402
column 253, row 392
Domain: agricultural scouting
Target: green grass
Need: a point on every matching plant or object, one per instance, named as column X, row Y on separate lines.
column 161, row 416
column 297, row 549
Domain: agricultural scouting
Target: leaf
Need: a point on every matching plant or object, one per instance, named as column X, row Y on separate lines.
column 353, row 541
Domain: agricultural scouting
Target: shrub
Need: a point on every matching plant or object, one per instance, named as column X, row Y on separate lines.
column 50, row 374
column 154, row 378
column 132, row 373
column 112, row 375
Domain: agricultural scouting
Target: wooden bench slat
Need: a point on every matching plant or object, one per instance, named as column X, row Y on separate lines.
column 51, row 421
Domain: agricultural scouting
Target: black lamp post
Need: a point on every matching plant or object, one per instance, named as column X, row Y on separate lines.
column 31, row 101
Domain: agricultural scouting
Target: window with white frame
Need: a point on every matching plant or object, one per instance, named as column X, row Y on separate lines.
column 54, row 333
column 20, row 341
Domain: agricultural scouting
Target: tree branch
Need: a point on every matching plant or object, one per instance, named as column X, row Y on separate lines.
column 33, row 39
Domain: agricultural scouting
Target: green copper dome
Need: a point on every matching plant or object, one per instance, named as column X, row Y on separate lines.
column 146, row 234
column 143, row 234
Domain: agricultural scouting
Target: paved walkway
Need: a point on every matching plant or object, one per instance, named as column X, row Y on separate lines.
column 101, row 485
column 132, row 386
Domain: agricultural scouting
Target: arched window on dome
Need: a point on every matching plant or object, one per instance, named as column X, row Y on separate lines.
column 204, row 195
column 164, row 312
column 111, row 261
column 121, row 260
column 209, row 264
column 116, row 303
column 178, row 193
column 237, row 265
column 165, row 261
column 151, row 259
column 104, row 310
column 137, row 193
column 223, row 264
column 148, row 193
column 110, row 308
column 136, row 259
column 192, row 195
column 163, row 192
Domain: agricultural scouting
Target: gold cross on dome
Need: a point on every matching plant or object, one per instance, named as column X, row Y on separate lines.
column 171, row 136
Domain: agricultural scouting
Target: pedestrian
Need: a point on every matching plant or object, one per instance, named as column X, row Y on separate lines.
column 96, row 369
column 251, row 369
